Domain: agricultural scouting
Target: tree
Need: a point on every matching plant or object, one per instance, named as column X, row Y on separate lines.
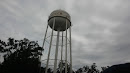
column 88, row 69
column 20, row 56
column 119, row 68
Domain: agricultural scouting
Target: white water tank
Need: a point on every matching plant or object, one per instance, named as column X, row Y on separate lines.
column 61, row 19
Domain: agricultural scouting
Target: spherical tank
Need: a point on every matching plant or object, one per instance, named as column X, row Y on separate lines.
column 61, row 19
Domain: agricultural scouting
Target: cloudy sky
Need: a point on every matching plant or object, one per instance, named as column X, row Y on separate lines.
column 100, row 31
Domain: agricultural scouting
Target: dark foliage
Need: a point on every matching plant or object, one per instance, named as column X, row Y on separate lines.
column 20, row 56
column 121, row 68
column 90, row 69
column 87, row 69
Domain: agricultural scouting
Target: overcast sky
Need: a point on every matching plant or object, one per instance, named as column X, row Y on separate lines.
column 100, row 31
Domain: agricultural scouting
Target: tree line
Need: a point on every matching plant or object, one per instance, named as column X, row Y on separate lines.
column 22, row 56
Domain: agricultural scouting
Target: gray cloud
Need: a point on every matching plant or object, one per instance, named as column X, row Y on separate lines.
column 100, row 31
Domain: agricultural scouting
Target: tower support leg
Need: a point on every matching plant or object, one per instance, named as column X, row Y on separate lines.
column 70, row 51
column 43, row 47
column 66, row 50
column 56, row 52
column 61, row 66
column 50, row 47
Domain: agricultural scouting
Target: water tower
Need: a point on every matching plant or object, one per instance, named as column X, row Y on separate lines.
column 59, row 22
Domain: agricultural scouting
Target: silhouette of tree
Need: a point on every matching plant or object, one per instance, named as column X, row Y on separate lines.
column 62, row 67
column 89, row 69
column 43, row 69
column 20, row 56
column 58, row 70
column 119, row 68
